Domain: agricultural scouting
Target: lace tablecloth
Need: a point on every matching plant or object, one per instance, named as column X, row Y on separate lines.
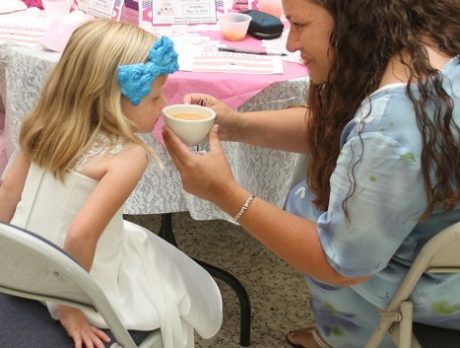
column 268, row 173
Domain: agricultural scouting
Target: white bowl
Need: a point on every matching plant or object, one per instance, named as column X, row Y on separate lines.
column 190, row 131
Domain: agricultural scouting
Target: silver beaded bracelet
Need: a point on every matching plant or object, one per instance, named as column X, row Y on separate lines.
column 244, row 207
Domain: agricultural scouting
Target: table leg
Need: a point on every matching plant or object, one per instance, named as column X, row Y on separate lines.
column 167, row 234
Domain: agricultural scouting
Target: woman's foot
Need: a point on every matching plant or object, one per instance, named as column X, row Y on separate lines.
column 305, row 338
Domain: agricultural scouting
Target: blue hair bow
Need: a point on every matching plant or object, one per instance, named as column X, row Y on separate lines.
column 136, row 80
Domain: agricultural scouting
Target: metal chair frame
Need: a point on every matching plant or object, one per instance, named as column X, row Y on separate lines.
column 32, row 267
column 166, row 232
column 441, row 254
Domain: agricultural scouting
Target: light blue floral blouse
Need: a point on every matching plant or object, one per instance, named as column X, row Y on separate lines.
column 384, row 235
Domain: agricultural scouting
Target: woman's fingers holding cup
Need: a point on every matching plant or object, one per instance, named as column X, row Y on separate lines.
column 204, row 175
column 198, row 99
column 213, row 140
column 176, row 148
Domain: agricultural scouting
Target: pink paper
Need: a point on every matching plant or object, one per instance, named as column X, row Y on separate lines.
column 33, row 3
column 57, row 35
column 130, row 12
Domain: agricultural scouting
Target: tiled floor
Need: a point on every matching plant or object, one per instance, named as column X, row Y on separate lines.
column 277, row 293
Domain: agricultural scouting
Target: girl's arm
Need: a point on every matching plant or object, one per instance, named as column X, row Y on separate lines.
column 120, row 176
column 12, row 186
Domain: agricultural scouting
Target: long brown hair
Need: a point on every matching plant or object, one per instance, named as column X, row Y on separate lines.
column 366, row 35
column 82, row 97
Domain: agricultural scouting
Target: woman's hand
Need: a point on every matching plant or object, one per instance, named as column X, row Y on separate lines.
column 205, row 175
column 226, row 117
column 77, row 327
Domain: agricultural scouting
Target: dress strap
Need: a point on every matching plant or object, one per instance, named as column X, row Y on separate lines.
column 103, row 144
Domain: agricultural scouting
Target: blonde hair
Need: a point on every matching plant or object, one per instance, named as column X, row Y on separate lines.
column 81, row 97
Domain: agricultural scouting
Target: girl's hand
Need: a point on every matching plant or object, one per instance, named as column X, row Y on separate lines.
column 77, row 327
column 205, row 175
column 226, row 117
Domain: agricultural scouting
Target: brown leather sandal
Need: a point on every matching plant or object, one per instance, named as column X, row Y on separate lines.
column 316, row 336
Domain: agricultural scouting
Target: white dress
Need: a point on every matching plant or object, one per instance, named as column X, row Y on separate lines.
column 149, row 282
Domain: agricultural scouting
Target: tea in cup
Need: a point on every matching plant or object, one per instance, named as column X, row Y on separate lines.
column 191, row 123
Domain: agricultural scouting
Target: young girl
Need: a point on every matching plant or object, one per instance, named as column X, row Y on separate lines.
column 80, row 159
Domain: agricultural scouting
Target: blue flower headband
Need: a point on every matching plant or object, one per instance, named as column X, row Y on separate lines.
column 136, row 79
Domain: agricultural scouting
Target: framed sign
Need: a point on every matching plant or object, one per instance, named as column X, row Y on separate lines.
column 178, row 11
column 102, row 8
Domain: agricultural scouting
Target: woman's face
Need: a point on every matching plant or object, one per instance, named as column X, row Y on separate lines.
column 148, row 111
column 311, row 27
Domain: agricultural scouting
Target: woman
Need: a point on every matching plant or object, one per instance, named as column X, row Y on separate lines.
column 381, row 132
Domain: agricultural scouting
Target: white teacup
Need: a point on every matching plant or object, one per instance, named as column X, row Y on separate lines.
column 191, row 123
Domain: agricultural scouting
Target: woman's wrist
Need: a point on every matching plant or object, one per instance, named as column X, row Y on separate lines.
column 233, row 128
column 246, row 205
column 231, row 198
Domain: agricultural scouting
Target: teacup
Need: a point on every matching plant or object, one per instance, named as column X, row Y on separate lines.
column 191, row 123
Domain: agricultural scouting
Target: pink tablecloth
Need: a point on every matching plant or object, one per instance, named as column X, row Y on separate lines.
column 223, row 86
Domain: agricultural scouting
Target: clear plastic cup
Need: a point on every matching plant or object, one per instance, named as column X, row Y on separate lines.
column 56, row 9
column 234, row 26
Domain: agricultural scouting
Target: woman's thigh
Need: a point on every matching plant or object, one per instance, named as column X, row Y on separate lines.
column 343, row 318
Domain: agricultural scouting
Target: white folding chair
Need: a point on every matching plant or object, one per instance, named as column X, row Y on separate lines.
column 32, row 267
column 441, row 254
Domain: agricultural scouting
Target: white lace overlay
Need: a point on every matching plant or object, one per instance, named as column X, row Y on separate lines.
column 102, row 145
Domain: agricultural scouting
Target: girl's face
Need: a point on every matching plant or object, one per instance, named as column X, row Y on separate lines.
column 311, row 27
column 148, row 111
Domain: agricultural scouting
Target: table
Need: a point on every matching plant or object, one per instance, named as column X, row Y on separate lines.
column 268, row 173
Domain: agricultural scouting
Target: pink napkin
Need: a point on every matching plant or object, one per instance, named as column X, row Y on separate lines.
column 33, row 3
column 57, row 35
column 59, row 31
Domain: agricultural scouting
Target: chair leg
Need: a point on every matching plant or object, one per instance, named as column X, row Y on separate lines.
column 245, row 305
column 385, row 325
column 166, row 232
column 405, row 332
column 398, row 324
column 415, row 343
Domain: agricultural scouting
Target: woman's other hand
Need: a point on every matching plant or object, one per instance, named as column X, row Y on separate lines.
column 77, row 327
column 226, row 117
column 205, row 175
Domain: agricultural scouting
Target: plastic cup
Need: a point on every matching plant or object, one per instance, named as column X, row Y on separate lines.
column 56, row 9
column 190, row 122
column 234, row 26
